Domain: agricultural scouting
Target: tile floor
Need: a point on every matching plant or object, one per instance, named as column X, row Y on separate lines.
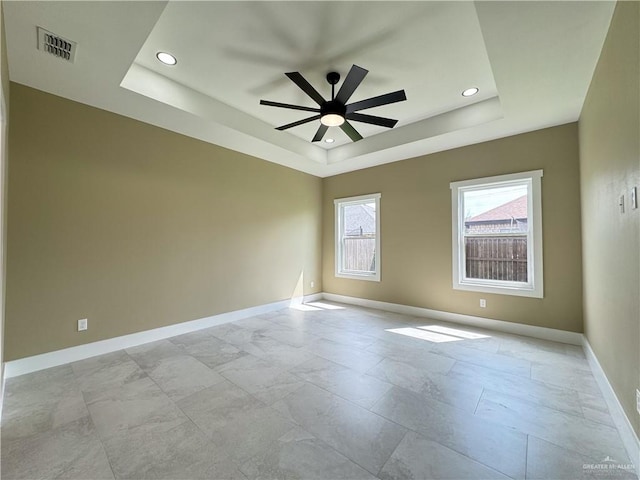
column 330, row 392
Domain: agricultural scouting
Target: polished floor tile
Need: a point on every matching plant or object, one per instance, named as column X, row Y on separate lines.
column 233, row 334
column 407, row 351
column 335, row 334
column 183, row 375
column 548, row 461
column 261, row 379
column 567, row 376
column 435, row 384
column 363, row 390
column 543, row 352
column 149, row 355
column 234, row 420
column 345, row 354
column 41, row 401
column 495, row 361
column 532, row 391
column 208, row 349
column 419, row 457
column 322, row 391
column 278, row 353
column 356, row 433
column 181, row 452
column 501, row 448
column 72, row 450
column 595, row 408
column 171, row 367
column 298, row 455
column 569, row 431
column 290, row 336
column 106, row 371
column 140, row 404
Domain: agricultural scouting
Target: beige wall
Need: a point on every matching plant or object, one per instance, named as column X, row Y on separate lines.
column 135, row 227
column 4, row 105
column 609, row 167
column 416, row 228
column 4, row 60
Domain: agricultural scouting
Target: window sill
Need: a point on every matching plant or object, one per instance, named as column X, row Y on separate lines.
column 499, row 290
column 370, row 277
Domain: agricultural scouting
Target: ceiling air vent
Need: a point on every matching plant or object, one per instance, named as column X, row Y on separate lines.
column 56, row 45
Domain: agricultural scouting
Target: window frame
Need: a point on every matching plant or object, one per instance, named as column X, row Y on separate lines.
column 535, row 285
column 339, row 234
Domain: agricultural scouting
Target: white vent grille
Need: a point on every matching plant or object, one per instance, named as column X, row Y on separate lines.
column 56, row 45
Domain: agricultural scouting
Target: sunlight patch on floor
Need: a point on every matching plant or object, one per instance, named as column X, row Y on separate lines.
column 436, row 333
column 314, row 306
column 304, row 307
column 454, row 331
column 424, row 334
column 326, row 306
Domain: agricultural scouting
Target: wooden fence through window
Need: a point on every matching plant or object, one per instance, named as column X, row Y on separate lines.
column 359, row 253
column 497, row 257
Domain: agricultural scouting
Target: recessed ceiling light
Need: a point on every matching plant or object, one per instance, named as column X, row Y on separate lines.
column 329, row 140
column 470, row 92
column 166, row 58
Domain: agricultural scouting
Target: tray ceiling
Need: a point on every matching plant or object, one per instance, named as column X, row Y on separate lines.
column 532, row 62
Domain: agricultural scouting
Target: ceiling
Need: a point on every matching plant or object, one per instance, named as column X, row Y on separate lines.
column 532, row 61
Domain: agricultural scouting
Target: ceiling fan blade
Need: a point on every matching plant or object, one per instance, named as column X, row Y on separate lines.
column 350, row 131
column 373, row 120
column 305, row 86
column 353, row 80
column 322, row 129
column 385, row 99
column 286, row 105
column 299, row 122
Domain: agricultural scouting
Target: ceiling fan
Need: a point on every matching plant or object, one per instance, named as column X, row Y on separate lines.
column 336, row 112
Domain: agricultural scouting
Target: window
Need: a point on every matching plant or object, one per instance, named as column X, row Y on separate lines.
column 358, row 237
column 497, row 234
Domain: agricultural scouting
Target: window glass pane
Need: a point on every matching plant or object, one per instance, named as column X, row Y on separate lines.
column 495, row 231
column 359, row 240
column 360, row 219
column 497, row 258
column 495, row 210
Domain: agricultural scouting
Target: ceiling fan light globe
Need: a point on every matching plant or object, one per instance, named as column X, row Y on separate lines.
column 332, row 120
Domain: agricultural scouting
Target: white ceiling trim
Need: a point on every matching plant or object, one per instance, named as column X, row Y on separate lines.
column 165, row 90
column 420, row 132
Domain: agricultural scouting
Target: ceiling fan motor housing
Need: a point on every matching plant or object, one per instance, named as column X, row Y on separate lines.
column 333, row 106
column 332, row 113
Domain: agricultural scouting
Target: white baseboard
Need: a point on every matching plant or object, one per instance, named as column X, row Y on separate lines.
column 3, row 381
column 22, row 366
column 628, row 435
column 314, row 297
column 544, row 333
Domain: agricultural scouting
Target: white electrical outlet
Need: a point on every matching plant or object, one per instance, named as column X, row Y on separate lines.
column 638, row 400
column 313, row 284
column 483, row 303
column 634, row 197
column 82, row 324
